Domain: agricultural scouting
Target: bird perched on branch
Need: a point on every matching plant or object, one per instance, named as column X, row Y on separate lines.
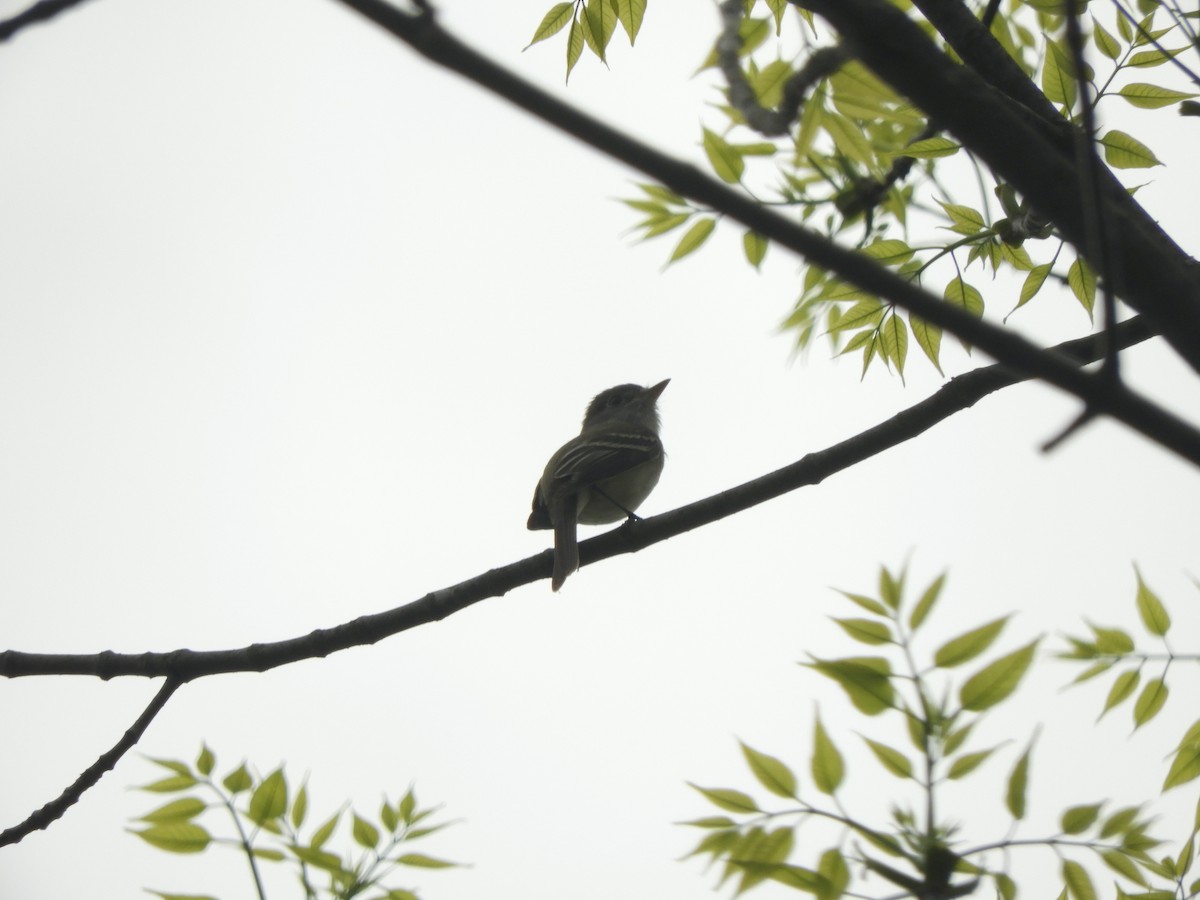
column 602, row 475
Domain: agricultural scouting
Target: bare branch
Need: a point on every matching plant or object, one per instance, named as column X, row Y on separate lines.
column 41, row 11
column 956, row 395
column 54, row 810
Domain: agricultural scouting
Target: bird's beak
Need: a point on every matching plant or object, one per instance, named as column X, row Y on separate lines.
column 653, row 392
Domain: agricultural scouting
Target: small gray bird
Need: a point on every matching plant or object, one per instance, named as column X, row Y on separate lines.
column 602, row 475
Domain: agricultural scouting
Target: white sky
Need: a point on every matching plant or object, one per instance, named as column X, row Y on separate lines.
column 289, row 323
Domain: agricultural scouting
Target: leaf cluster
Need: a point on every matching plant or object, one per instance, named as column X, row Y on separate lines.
column 861, row 163
column 270, row 823
column 916, row 850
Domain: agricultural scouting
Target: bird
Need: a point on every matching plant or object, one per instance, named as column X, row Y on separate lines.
column 603, row 474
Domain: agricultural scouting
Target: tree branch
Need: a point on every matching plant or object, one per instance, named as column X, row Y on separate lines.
column 957, row 394
column 54, row 810
column 421, row 31
column 1149, row 271
column 768, row 122
column 39, row 12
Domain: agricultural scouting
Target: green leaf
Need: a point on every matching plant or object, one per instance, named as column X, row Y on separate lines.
column 890, row 252
column 1119, row 822
column 599, row 22
column 322, row 834
column 867, row 603
column 895, row 341
column 300, row 806
column 313, row 856
column 929, row 598
column 176, row 837
column 1185, row 766
column 726, row 162
column 552, row 23
column 365, row 834
column 1125, row 152
column 1079, row 819
column 388, row 817
column 963, row 219
column 866, row 631
column 1078, row 882
column 1148, row 59
column 408, row 805
column 421, row 861
column 238, row 780
column 574, row 45
column 866, row 681
column 771, row 773
column 966, row 647
column 997, row 680
column 1006, row 888
column 1058, row 76
column 1033, row 283
column 929, row 339
column 862, row 314
column 828, row 768
column 1150, row 608
column 1151, row 96
column 832, row 867
column 1123, row 866
column 1149, row 702
column 182, row 809
column 930, row 148
column 693, row 238
column 170, row 785
column 891, row 759
column 965, row 295
column 1083, row 283
column 1105, row 42
column 173, row 765
column 1114, row 641
column 710, row 822
column 755, row 246
column 205, row 761
column 955, row 739
column 270, row 799
column 1018, row 784
column 968, row 763
column 630, row 13
column 657, row 225
column 728, row 799
column 1123, row 687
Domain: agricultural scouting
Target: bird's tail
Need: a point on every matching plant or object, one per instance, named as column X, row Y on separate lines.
column 566, row 550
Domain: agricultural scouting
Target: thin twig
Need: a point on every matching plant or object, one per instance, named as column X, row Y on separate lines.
column 768, row 122
column 54, row 810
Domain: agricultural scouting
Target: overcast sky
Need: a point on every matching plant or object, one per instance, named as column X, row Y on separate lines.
column 290, row 322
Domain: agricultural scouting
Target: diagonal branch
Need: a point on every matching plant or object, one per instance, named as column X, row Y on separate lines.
column 421, row 31
column 54, row 810
column 41, row 11
column 956, row 395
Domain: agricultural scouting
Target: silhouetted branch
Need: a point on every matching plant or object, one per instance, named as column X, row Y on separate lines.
column 39, row 12
column 56, row 807
column 957, row 394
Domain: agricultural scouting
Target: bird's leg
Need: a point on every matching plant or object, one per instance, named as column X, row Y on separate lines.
column 630, row 514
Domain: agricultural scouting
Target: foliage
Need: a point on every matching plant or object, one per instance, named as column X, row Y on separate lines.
column 1114, row 648
column 917, row 849
column 861, row 163
column 264, row 809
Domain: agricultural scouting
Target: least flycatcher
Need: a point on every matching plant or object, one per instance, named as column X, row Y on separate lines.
column 604, row 474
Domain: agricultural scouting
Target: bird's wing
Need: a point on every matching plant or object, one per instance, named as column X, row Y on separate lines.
column 592, row 458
